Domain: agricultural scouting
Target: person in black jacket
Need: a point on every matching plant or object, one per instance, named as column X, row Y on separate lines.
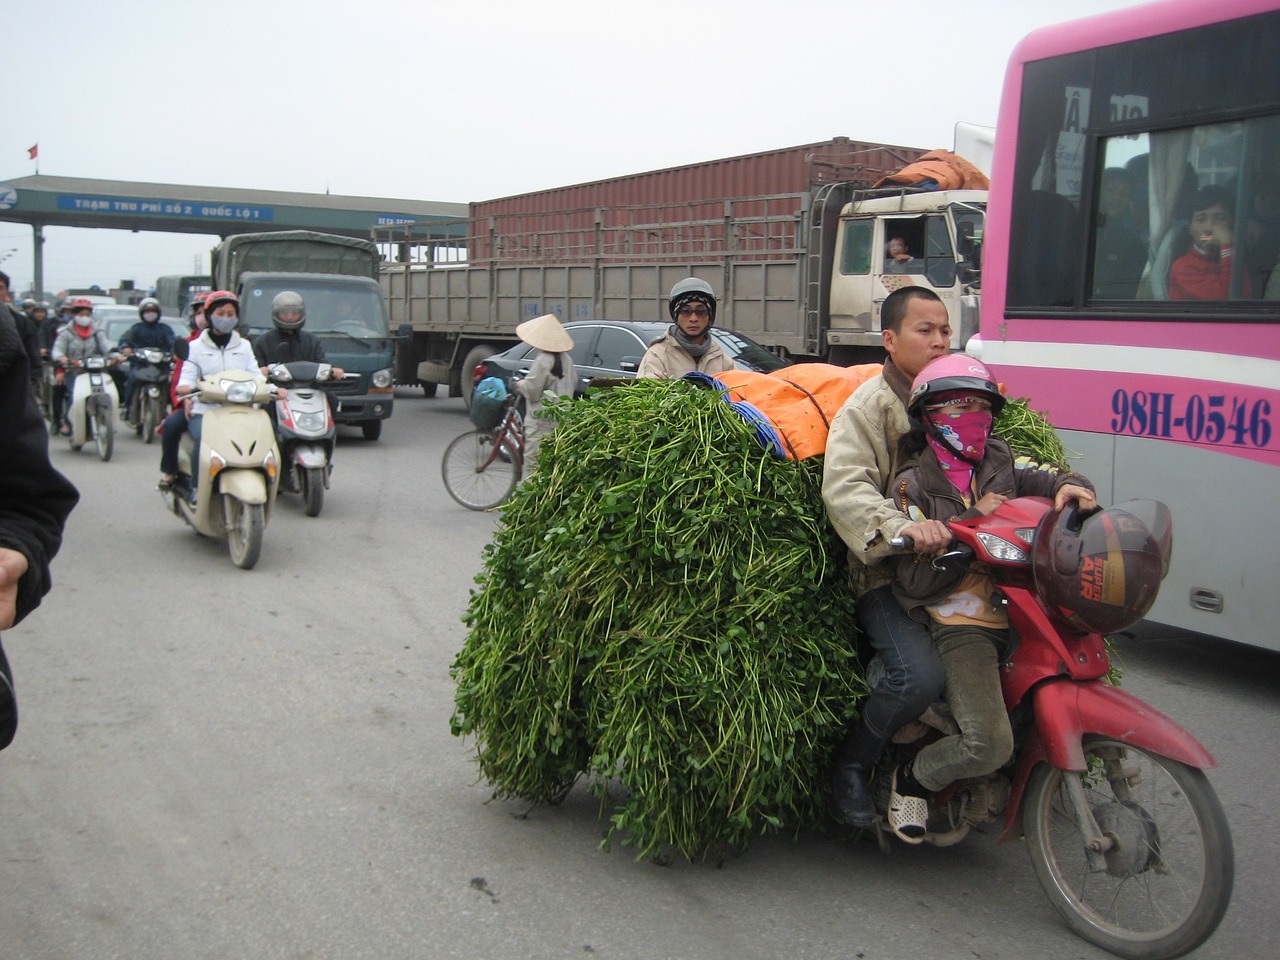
column 35, row 500
column 27, row 333
column 288, row 341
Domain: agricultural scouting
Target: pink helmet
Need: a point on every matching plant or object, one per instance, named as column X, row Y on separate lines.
column 952, row 372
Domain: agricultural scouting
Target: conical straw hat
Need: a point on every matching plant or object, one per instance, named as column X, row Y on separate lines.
column 545, row 333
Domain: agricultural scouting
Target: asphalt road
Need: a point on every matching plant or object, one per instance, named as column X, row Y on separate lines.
column 215, row 763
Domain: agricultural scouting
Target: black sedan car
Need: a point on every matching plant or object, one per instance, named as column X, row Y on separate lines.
column 614, row 348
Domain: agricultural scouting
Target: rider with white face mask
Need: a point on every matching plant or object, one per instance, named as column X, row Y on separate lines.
column 76, row 341
column 219, row 348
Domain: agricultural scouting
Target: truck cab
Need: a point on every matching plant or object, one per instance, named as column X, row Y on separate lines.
column 349, row 315
column 894, row 238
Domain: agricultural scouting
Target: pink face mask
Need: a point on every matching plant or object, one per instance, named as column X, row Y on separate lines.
column 962, row 433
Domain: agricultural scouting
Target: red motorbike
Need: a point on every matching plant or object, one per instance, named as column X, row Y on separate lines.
column 1127, row 836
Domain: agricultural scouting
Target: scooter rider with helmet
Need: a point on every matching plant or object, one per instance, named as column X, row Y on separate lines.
column 76, row 341
column 289, row 341
column 687, row 346
column 217, row 349
column 147, row 332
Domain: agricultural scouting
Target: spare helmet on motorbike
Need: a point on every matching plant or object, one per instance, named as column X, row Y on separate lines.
column 692, row 290
column 953, row 373
column 288, row 312
column 217, row 299
column 149, row 305
column 1101, row 572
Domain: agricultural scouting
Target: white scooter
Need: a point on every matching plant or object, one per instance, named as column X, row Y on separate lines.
column 93, row 403
column 304, row 430
column 239, row 466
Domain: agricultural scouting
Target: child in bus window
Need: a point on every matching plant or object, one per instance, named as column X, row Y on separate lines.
column 1204, row 271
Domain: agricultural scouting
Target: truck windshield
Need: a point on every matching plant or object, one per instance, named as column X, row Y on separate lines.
column 338, row 309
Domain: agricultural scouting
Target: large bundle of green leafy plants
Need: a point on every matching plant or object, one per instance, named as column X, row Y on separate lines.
column 664, row 611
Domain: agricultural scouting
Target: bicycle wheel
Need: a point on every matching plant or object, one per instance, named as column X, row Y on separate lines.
column 1163, row 887
column 474, row 473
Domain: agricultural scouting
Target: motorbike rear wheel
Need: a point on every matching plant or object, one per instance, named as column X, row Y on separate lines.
column 103, row 432
column 1167, row 880
column 245, row 525
column 474, row 476
column 312, row 482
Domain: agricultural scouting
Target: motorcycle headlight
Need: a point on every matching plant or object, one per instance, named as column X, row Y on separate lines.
column 383, row 378
column 1001, row 549
column 311, row 421
column 239, row 391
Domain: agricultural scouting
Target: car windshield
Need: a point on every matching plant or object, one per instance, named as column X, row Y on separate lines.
column 333, row 309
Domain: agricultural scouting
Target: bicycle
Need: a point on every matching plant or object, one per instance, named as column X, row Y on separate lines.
column 482, row 467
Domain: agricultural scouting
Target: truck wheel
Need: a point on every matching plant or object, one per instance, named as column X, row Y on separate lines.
column 477, row 353
column 372, row 429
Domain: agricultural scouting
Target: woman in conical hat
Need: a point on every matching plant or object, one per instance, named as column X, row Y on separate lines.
column 552, row 369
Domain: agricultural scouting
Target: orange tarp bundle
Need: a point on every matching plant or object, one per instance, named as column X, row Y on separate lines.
column 797, row 402
column 950, row 170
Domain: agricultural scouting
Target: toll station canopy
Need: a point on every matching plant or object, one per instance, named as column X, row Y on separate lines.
column 44, row 201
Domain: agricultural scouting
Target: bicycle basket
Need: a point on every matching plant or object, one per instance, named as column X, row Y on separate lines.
column 487, row 402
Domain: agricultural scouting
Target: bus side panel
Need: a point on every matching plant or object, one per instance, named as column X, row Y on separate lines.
column 1203, row 489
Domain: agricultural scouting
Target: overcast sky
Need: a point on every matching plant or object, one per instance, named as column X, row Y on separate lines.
column 458, row 101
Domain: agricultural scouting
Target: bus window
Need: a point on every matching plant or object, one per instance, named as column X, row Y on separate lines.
column 1212, row 213
column 1119, row 106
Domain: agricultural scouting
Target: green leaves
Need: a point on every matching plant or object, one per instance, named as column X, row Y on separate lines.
column 664, row 609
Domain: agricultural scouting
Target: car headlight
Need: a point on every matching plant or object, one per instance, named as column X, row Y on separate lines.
column 383, row 378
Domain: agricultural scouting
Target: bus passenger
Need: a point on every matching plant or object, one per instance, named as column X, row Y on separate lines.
column 1204, row 271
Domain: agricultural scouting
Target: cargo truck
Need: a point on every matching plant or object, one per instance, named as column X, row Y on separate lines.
column 801, row 270
column 337, row 278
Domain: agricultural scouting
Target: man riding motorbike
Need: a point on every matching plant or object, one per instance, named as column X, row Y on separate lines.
column 288, row 341
column 147, row 332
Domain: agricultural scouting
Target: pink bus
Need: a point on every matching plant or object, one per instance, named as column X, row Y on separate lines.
column 1132, row 280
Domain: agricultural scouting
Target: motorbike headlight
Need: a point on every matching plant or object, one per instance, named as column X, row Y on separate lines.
column 311, row 421
column 1001, row 549
column 383, row 378
column 239, row 391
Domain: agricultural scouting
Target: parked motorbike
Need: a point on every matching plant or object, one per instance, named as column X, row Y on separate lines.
column 92, row 401
column 239, row 466
column 1126, row 834
column 150, row 403
column 305, row 430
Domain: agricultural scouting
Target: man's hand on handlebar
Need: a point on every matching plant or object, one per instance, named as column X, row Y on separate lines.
column 928, row 536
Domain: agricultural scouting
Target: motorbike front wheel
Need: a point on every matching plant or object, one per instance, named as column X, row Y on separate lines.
column 103, row 432
column 1164, row 885
column 475, row 475
column 245, row 525
column 312, row 481
column 151, row 417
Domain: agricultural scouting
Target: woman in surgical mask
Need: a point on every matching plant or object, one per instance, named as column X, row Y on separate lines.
column 217, row 349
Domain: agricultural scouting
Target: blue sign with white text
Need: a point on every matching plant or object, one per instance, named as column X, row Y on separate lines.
column 165, row 208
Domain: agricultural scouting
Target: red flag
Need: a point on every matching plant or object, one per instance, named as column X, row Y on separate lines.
column 33, row 152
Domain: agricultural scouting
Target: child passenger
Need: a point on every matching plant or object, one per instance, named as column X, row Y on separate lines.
column 953, row 469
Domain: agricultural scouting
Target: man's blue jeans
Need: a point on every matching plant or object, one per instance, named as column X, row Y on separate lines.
column 913, row 676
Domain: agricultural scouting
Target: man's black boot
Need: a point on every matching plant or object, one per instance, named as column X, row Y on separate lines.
column 851, row 795
column 851, row 798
